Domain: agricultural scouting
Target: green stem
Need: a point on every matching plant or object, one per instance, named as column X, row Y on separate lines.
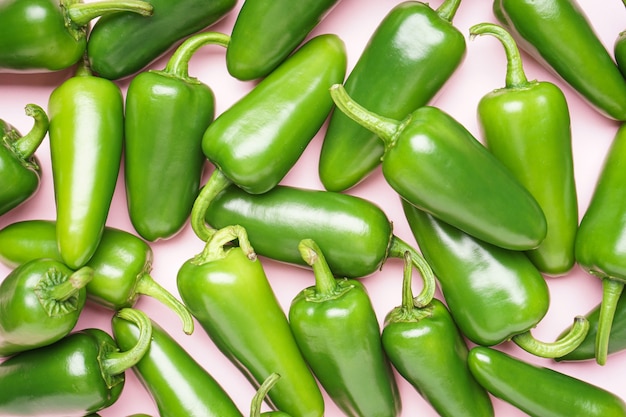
column 515, row 76
column 81, row 14
column 611, row 291
column 325, row 283
column 178, row 64
column 259, row 396
column 561, row 347
column 216, row 184
column 116, row 362
column 26, row 146
column 79, row 279
column 448, row 9
column 214, row 248
column 398, row 249
column 407, row 280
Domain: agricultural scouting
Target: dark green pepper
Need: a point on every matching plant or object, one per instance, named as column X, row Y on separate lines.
column 526, row 125
column 427, row 349
column 337, row 331
column 121, row 264
column 434, row 162
column 226, row 289
column 179, row 385
column 40, row 301
column 163, row 159
column 19, row 167
column 86, row 139
column 559, row 36
column 266, row 32
column 539, row 391
column 80, row 374
column 408, row 59
column 51, row 35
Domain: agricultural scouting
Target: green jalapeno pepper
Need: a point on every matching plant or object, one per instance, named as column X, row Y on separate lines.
column 267, row 32
column 413, row 339
column 259, row 396
column 337, row 331
column 40, row 303
column 559, row 36
column 434, row 162
column 121, row 265
column 539, row 391
column 526, row 125
column 19, row 167
column 179, row 385
column 226, row 289
column 619, row 49
column 86, row 139
column 163, row 159
column 77, row 375
column 123, row 44
column 51, row 35
column 408, row 59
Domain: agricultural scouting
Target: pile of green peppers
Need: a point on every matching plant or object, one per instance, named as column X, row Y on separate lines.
column 493, row 210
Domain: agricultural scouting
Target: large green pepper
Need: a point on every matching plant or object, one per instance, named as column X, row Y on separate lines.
column 560, row 37
column 121, row 265
column 80, row 374
column 86, row 138
column 526, row 125
column 409, row 57
column 266, row 32
column 19, row 167
column 226, row 289
column 123, row 44
column 40, row 303
column 539, row 391
column 167, row 112
column 427, row 349
column 337, row 331
column 435, row 163
column 51, row 35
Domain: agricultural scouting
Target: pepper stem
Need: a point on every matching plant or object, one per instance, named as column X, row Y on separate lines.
column 561, row 347
column 116, row 362
column 26, row 146
column 81, row 14
column 448, row 9
column 407, row 280
column 325, row 282
column 214, row 248
column 257, row 400
column 611, row 291
column 178, row 64
column 66, row 289
column 149, row 287
column 515, row 76
column 216, row 184
column 397, row 250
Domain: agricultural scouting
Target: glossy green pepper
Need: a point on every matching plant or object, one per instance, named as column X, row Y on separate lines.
column 121, row 265
column 80, row 374
column 259, row 396
column 539, row 391
column 40, row 301
column 163, row 159
column 434, row 162
column 86, row 139
column 355, row 234
column 179, row 385
column 226, row 289
column 51, row 35
column 19, row 167
column 337, row 331
column 266, row 32
column 407, row 60
column 559, row 36
column 619, row 49
column 123, row 44
column 413, row 339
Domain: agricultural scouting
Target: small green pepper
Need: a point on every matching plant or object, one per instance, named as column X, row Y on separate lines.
column 407, row 60
column 80, row 374
column 539, row 391
column 51, row 35
column 19, row 167
column 40, row 301
column 226, row 289
column 163, row 159
column 337, row 330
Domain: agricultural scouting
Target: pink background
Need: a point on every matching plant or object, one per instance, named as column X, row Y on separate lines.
column 354, row 21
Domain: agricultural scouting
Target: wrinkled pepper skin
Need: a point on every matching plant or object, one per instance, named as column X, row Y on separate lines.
column 227, row 291
column 266, row 32
column 538, row 391
column 407, row 61
column 19, row 167
column 337, row 331
column 558, row 34
column 86, row 138
column 179, row 385
column 123, row 44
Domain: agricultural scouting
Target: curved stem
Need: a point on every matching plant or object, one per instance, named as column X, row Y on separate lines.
column 116, row 362
column 259, row 396
column 325, row 283
column 611, row 291
column 448, row 9
column 81, row 14
column 407, row 280
column 561, row 347
column 398, row 249
column 216, row 184
column 178, row 64
column 26, row 146
column 79, row 279
column 214, row 248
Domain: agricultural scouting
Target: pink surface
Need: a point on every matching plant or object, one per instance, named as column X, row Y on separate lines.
column 354, row 21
